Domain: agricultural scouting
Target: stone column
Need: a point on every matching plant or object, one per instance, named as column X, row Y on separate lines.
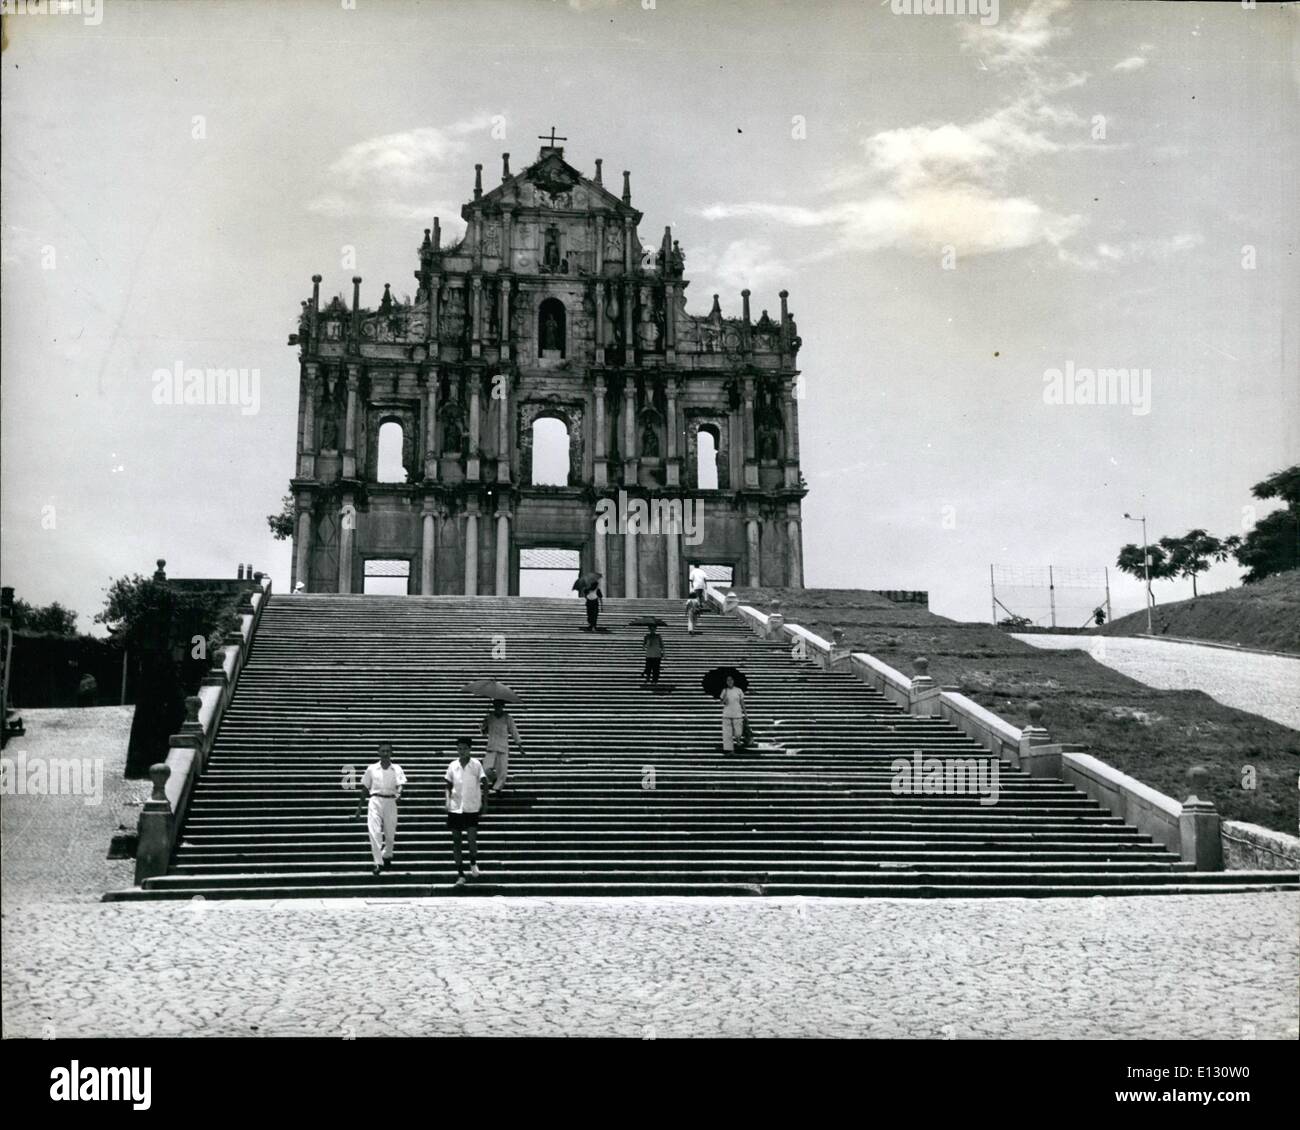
column 600, row 250
column 670, row 319
column 507, row 237
column 503, row 550
column 347, row 527
column 502, row 381
column 307, row 460
column 751, row 463
column 600, row 475
column 754, row 561
column 791, row 435
column 476, row 310
column 505, row 338
column 302, row 549
column 435, row 307
column 674, row 464
column 475, row 396
column 629, row 431
column 599, row 289
column 601, row 554
column 433, row 436
column 672, row 563
column 350, row 426
column 794, row 554
column 428, row 548
column 471, row 549
column 629, row 564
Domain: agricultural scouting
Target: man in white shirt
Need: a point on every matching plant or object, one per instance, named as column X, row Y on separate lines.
column 699, row 583
column 381, row 785
column 465, row 802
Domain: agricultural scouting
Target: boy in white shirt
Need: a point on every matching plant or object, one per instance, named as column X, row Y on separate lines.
column 381, row 785
column 465, row 800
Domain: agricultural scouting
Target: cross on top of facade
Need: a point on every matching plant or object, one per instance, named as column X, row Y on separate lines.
column 553, row 139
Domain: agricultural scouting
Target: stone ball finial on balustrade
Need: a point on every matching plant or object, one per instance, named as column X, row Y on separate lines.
column 837, row 637
column 730, row 602
column 193, row 704
column 921, row 665
column 1035, row 712
column 159, row 773
column 774, row 606
column 160, row 574
column 1035, row 733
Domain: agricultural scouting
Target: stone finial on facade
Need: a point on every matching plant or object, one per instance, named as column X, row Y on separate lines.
column 505, row 166
column 239, row 571
column 160, row 574
column 315, row 294
column 478, row 182
column 744, row 305
column 599, row 162
column 437, row 233
column 627, row 187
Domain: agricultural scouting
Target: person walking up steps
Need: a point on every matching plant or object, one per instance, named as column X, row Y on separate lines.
column 381, row 786
column 465, row 801
column 499, row 729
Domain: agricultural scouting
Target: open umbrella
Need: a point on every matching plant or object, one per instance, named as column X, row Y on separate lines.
column 490, row 688
column 587, row 581
column 714, row 681
column 648, row 622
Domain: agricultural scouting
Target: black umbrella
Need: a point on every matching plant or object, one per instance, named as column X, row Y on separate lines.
column 587, row 581
column 714, row 681
column 648, row 622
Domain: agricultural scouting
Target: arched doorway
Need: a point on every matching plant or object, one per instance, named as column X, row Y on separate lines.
column 550, row 453
column 706, row 458
column 389, row 466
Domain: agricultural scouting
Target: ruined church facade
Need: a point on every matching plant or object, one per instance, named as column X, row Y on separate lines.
column 549, row 308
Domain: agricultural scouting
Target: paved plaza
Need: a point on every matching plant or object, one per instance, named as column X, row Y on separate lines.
column 1268, row 685
column 1201, row 966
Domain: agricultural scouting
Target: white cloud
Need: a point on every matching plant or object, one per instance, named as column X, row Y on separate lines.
column 1132, row 63
column 738, row 264
column 392, row 175
column 1018, row 40
column 1133, row 250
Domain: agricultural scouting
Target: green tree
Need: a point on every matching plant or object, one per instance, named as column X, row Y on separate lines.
column 1273, row 545
column 52, row 619
column 282, row 524
column 1130, row 561
column 1192, row 553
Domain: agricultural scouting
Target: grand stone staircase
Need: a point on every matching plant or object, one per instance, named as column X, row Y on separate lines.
column 622, row 791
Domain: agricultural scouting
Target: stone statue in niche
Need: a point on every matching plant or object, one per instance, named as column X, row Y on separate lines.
column 650, row 440
column 329, row 423
column 453, row 435
column 769, row 434
column 551, row 331
column 551, row 251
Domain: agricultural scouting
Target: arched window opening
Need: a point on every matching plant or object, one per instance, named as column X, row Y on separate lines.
column 706, row 458
column 550, row 466
column 551, row 329
column 390, row 468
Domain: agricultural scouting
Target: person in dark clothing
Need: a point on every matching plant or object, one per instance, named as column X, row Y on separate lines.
column 653, row 644
column 594, row 598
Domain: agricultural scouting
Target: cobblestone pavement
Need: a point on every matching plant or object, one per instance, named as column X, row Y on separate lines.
column 1263, row 684
column 1198, row 966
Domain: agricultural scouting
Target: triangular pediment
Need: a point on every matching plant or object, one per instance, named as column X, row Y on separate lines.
column 553, row 179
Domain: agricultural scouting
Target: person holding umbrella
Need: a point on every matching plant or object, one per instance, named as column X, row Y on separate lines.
column 499, row 729
column 588, row 587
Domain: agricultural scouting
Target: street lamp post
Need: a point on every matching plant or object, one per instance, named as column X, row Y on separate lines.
column 1146, row 566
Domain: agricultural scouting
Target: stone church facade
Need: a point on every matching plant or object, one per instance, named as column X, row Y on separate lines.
column 549, row 308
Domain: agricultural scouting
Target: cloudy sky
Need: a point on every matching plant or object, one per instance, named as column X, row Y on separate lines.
column 956, row 207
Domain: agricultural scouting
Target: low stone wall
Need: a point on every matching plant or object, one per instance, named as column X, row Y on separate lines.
column 1191, row 831
column 1248, row 847
column 163, row 815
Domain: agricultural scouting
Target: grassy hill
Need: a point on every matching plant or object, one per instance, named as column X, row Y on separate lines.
column 1179, row 742
column 1265, row 614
